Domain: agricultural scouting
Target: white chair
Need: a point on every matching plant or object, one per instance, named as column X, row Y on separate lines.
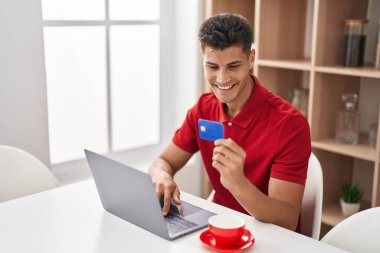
column 311, row 209
column 22, row 174
column 359, row 232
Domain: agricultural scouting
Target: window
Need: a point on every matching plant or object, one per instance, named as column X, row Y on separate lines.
column 103, row 75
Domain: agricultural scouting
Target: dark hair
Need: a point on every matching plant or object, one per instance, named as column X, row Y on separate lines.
column 225, row 30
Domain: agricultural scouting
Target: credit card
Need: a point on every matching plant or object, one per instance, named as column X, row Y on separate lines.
column 210, row 130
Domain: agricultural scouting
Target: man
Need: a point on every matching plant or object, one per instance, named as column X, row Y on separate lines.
column 260, row 167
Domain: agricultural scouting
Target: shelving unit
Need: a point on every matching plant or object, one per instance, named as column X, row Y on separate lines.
column 299, row 44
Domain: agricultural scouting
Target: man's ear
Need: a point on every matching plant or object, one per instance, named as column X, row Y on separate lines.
column 252, row 58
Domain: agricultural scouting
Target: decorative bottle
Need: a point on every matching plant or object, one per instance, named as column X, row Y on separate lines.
column 347, row 124
column 300, row 100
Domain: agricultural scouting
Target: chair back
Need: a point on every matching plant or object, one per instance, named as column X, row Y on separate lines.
column 358, row 233
column 22, row 174
column 311, row 209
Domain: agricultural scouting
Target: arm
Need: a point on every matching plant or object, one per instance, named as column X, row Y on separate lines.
column 280, row 207
column 162, row 171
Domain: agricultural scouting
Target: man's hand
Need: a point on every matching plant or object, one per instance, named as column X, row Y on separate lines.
column 228, row 158
column 162, row 172
column 166, row 187
column 282, row 204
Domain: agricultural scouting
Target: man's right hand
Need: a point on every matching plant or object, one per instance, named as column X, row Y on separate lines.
column 167, row 189
column 162, row 172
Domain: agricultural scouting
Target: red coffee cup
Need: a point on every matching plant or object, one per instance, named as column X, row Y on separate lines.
column 227, row 229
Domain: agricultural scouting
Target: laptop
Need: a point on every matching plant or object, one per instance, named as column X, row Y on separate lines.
column 129, row 194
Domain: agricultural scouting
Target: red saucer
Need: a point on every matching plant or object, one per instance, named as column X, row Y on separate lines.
column 246, row 241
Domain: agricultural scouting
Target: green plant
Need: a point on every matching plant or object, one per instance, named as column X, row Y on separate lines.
column 350, row 193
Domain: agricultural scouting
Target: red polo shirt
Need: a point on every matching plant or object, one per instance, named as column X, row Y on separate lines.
column 274, row 135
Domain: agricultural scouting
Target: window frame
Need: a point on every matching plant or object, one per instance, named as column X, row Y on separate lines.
column 139, row 157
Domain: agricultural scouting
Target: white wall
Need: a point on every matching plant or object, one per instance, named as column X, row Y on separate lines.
column 189, row 81
column 23, row 102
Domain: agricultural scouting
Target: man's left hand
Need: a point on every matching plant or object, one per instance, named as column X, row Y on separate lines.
column 228, row 158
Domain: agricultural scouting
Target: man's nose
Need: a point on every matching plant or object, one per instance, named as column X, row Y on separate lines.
column 222, row 77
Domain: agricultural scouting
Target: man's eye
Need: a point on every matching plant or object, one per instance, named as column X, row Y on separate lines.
column 234, row 67
column 212, row 67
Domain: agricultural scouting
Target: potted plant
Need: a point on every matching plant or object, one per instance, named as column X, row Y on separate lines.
column 350, row 198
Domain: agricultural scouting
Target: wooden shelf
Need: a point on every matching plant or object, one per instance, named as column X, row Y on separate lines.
column 349, row 71
column 305, row 65
column 332, row 214
column 286, row 64
column 358, row 151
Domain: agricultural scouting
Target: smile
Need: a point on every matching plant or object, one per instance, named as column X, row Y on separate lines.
column 225, row 87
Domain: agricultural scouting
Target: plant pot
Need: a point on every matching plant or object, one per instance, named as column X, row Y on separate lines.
column 349, row 208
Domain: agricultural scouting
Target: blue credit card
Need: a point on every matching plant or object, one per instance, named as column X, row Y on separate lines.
column 210, row 130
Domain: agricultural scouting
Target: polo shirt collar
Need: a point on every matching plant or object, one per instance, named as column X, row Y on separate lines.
column 250, row 110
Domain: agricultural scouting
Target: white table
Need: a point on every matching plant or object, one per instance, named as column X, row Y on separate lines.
column 71, row 219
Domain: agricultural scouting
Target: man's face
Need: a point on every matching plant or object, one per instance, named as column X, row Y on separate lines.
column 227, row 72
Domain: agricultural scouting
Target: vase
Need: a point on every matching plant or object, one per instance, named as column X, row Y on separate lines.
column 349, row 208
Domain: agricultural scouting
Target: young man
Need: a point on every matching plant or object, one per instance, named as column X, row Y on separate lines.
column 260, row 167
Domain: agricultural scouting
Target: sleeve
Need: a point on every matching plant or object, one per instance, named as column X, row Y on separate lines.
column 185, row 137
column 293, row 149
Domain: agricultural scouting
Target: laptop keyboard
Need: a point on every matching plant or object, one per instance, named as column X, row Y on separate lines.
column 176, row 223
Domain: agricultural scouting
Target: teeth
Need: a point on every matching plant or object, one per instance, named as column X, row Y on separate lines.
column 224, row 87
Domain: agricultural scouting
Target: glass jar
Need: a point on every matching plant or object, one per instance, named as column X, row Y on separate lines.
column 347, row 124
column 354, row 42
column 377, row 48
column 300, row 100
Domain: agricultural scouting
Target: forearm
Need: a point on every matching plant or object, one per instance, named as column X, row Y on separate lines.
column 171, row 160
column 265, row 208
column 158, row 166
